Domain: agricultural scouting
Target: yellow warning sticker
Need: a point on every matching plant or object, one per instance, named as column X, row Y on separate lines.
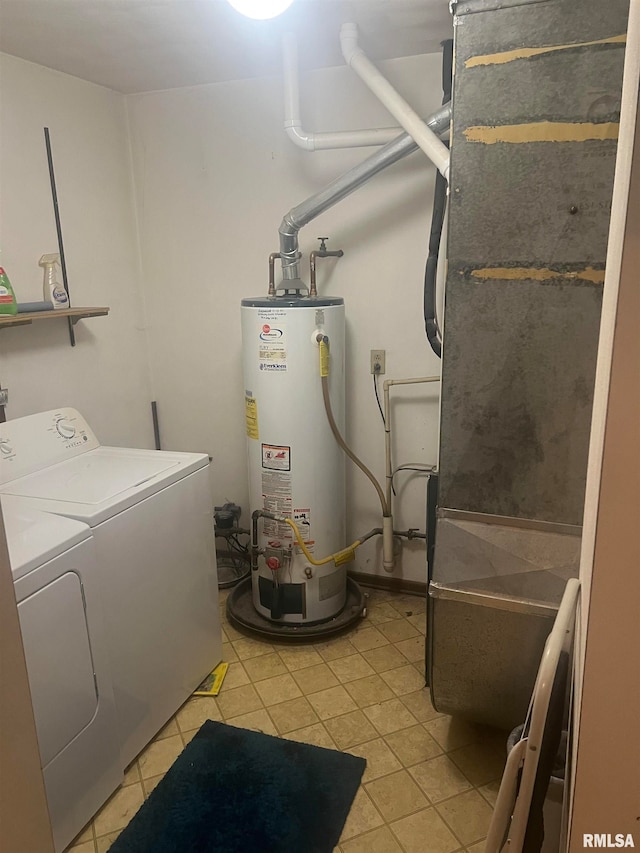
column 251, row 416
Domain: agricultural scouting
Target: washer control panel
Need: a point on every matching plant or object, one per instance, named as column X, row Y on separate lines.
column 38, row 441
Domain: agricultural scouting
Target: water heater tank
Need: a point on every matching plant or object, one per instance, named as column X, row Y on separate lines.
column 296, row 468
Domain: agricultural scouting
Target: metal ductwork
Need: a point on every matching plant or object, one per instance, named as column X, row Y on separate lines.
column 343, row 186
column 536, row 90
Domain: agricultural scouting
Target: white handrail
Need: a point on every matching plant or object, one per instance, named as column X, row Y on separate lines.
column 511, row 812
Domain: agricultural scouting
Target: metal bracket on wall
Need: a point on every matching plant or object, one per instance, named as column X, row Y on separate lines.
column 56, row 211
column 156, row 425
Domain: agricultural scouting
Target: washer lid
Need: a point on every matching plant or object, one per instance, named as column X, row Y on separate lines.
column 98, row 484
column 92, row 478
column 36, row 537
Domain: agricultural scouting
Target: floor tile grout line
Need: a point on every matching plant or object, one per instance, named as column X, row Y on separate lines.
column 376, row 809
column 322, row 723
column 389, row 823
column 408, row 769
column 457, row 849
column 455, row 835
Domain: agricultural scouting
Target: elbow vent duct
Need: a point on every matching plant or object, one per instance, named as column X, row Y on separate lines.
column 343, row 186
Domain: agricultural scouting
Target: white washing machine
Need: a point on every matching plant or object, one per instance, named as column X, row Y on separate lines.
column 151, row 517
column 55, row 576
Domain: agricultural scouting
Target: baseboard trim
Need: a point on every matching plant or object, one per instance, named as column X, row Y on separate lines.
column 390, row 584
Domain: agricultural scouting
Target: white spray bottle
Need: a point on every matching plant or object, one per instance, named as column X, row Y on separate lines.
column 53, row 291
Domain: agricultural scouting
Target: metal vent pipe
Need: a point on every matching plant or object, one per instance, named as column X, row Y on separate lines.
column 343, row 186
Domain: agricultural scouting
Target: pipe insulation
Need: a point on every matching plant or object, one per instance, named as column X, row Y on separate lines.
column 435, row 270
column 343, row 186
column 406, row 117
column 435, row 266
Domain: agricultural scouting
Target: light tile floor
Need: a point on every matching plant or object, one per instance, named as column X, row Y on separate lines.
column 431, row 779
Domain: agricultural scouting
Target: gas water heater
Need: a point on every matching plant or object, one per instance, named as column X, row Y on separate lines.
column 296, row 468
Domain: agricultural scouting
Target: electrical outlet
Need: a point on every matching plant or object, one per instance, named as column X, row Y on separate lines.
column 378, row 361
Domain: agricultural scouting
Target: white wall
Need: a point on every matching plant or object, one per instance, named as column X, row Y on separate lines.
column 214, row 176
column 607, row 627
column 106, row 376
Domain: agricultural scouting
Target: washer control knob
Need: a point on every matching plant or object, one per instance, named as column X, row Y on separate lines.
column 65, row 429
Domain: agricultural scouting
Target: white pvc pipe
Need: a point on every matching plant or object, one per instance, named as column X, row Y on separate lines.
column 408, row 119
column 387, row 543
column 387, row 523
column 418, row 380
column 339, row 138
column 318, row 141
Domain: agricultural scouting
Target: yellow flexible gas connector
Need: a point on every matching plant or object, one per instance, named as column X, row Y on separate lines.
column 339, row 558
column 324, row 356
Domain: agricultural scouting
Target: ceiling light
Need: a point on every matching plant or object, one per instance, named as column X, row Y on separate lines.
column 261, row 9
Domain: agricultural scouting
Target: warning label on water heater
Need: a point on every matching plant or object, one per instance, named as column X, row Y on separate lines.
column 272, row 340
column 276, row 457
column 302, row 518
column 276, row 498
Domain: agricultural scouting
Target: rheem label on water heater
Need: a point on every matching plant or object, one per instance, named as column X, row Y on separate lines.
column 272, row 340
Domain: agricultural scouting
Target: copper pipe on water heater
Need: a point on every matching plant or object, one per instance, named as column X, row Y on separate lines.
column 272, row 273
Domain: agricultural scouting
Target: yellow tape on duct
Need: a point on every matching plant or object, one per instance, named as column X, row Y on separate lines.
column 539, row 274
column 542, row 131
column 528, row 52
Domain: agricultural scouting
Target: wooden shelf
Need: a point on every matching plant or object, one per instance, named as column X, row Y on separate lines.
column 74, row 315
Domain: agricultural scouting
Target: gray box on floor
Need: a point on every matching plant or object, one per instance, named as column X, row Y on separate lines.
column 482, row 655
column 494, row 595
